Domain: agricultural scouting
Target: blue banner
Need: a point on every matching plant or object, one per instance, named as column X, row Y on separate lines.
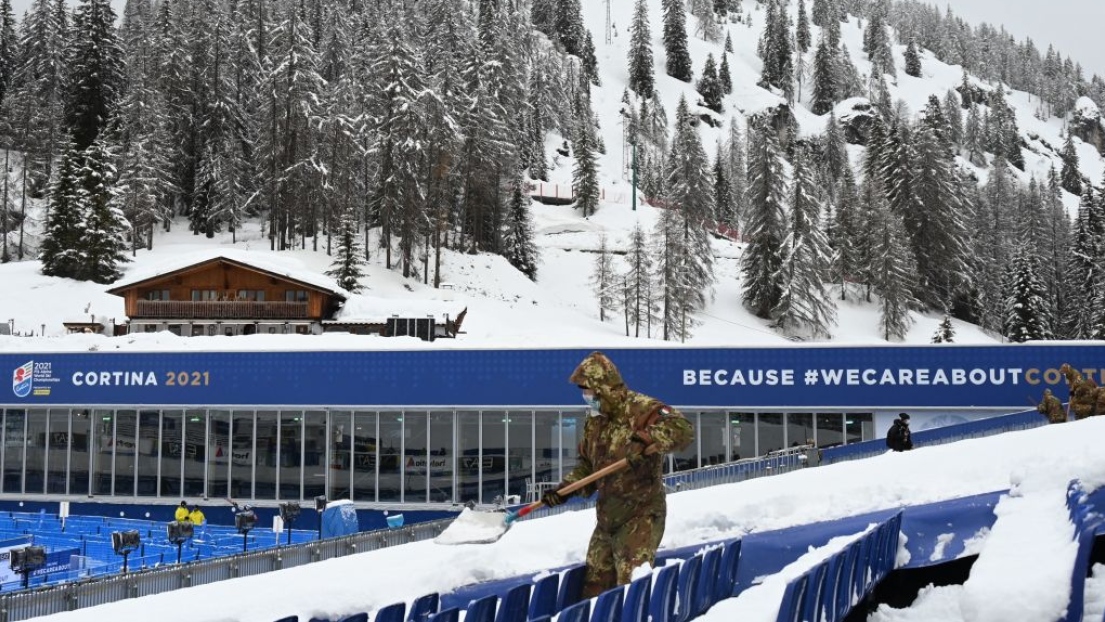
column 999, row 376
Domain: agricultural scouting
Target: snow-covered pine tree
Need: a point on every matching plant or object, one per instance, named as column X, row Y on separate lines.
column 945, row 332
column 604, row 281
column 774, row 49
column 640, row 308
column 1070, row 177
column 347, row 269
column 825, row 73
column 9, row 48
column 736, row 172
column 641, row 79
column 1026, row 310
column 876, row 41
column 675, row 41
column 891, row 269
column 765, row 225
column 821, row 12
column 728, row 43
column 723, row 75
column 96, row 73
column 973, row 138
column 62, row 251
column 518, row 245
column 836, row 149
column 802, row 32
column 568, row 26
column 709, row 87
column 847, row 265
column 805, row 307
column 104, row 243
column 1084, row 273
column 912, row 59
column 724, row 213
column 585, row 174
column 953, row 114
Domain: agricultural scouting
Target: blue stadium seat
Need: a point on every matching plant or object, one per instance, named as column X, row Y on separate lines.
column 661, row 605
column 395, row 612
column 515, row 604
column 727, row 571
column 579, row 612
column 831, row 596
column 706, row 594
column 289, row 619
column 356, row 617
column 685, row 607
column 543, row 601
column 635, row 605
column 482, row 610
column 451, row 614
column 608, row 606
column 790, row 607
column 571, row 587
column 845, row 586
column 813, row 600
column 423, row 607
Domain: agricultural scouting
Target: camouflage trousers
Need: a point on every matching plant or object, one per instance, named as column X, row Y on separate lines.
column 612, row 555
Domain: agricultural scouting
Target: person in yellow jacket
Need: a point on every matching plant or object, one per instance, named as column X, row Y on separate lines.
column 196, row 516
column 181, row 513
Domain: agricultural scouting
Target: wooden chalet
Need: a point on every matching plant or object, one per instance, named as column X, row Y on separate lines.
column 223, row 295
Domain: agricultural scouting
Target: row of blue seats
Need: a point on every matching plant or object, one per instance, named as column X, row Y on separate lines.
column 736, row 471
column 1086, row 514
column 679, row 591
column 828, row 591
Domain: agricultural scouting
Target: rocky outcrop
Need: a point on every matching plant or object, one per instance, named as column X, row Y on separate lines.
column 1086, row 123
column 855, row 116
column 780, row 118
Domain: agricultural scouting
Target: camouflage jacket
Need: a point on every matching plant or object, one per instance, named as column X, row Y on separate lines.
column 1052, row 408
column 607, row 437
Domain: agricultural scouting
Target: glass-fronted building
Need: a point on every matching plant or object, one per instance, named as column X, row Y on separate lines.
column 450, row 426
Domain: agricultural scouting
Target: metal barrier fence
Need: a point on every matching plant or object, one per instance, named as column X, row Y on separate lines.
column 101, row 590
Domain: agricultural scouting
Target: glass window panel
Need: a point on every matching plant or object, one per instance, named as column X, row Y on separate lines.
column 291, row 455
column 742, row 435
column 35, row 475
column 688, row 458
column 81, row 437
column 149, row 422
column 770, row 432
column 341, row 455
column 391, row 448
column 314, row 454
column 365, row 456
column 441, row 457
column 172, row 452
column 859, row 427
column 57, row 452
column 830, row 429
column 218, row 451
column 415, row 459
column 126, row 448
column 799, row 429
column 520, row 459
column 15, row 437
column 468, row 447
column 493, row 481
column 242, row 452
column 546, row 447
column 102, row 453
column 712, row 440
column 195, row 458
column 571, row 431
column 264, row 484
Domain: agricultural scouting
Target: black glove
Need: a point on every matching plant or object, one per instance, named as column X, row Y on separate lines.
column 635, row 455
column 552, row 498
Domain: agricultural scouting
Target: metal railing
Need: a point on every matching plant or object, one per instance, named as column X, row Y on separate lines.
column 221, row 309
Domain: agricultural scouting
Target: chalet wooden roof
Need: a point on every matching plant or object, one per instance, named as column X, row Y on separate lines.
column 307, row 280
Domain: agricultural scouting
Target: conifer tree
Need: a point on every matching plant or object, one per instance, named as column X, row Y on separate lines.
column 846, row 235
column 912, row 59
column 728, row 43
column 805, row 307
column 723, row 192
column 835, row 158
column 518, row 245
column 825, row 88
column 723, row 75
column 1070, row 177
column 736, row 173
column 709, row 87
column 104, row 244
column 96, row 79
column 641, row 79
column 568, row 25
column 62, row 251
column 953, row 113
column 9, row 48
column 675, row 40
column 774, row 48
column 604, row 283
column 802, row 34
column 891, row 270
column 1026, row 310
column 945, row 333
column 637, row 299
column 973, row 138
column 766, row 223
column 585, row 174
column 347, row 268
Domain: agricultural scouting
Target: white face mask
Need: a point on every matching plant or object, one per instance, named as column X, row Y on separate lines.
column 592, row 401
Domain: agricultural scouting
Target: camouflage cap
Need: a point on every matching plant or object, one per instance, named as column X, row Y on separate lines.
column 596, row 372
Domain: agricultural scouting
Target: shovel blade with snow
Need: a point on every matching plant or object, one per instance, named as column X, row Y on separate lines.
column 482, row 527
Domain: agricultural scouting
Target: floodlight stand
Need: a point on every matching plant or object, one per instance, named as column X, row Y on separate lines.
column 245, row 540
column 126, row 553
column 289, row 534
column 179, row 547
column 26, row 578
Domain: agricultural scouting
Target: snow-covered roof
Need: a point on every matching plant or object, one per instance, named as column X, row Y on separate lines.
column 360, row 308
column 286, row 267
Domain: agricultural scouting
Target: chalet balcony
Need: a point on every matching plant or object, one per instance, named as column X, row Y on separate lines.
column 221, row 310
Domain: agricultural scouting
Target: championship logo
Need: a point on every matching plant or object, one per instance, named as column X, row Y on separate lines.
column 22, row 379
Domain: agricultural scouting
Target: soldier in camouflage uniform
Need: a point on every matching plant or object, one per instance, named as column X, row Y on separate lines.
column 1052, row 408
column 1082, row 392
column 631, row 508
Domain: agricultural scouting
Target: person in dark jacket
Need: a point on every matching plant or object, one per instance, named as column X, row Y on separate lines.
column 631, row 508
column 899, row 437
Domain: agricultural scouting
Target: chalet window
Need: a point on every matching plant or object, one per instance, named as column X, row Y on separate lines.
column 157, row 294
column 295, row 295
column 204, row 294
column 257, row 295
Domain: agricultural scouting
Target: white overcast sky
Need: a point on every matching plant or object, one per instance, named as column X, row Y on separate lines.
column 1068, row 24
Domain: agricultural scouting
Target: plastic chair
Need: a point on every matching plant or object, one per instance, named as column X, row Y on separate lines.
column 661, row 606
column 423, row 607
column 543, row 601
column 635, row 605
column 579, row 612
column 686, row 607
column 515, row 604
column 608, row 606
column 482, row 610
column 392, row 613
column 571, row 587
column 356, row 617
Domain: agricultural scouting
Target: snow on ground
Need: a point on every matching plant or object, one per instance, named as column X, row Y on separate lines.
column 1021, row 572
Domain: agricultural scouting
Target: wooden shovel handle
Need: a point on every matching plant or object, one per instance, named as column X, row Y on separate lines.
column 594, row 477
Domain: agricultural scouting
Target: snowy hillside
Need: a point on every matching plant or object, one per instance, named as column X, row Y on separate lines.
column 505, row 308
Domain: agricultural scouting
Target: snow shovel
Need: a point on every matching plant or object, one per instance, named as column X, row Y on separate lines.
column 481, row 527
